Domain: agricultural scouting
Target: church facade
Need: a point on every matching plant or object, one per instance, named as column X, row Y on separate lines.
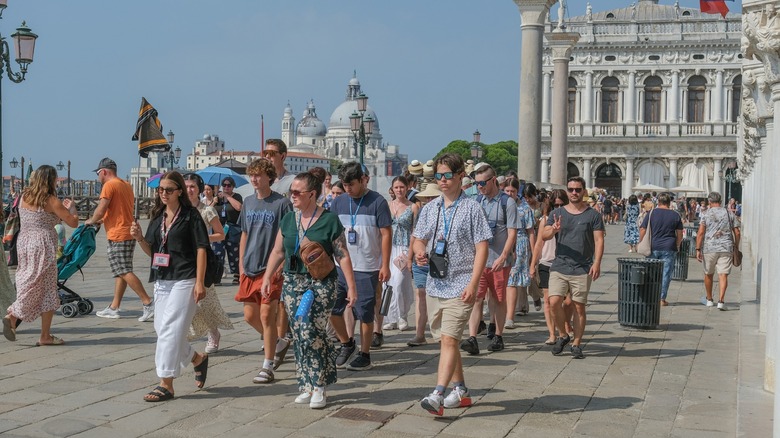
column 653, row 98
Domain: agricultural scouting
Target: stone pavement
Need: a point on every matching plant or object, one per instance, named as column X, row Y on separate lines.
column 698, row 375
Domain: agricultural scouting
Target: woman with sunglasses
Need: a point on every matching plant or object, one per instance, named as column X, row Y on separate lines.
column 543, row 256
column 519, row 277
column 209, row 317
column 176, row 240
column 315, row 355
column 229, row 209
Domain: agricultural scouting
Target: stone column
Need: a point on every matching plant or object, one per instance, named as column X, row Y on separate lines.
column 546, row 98
column 587, row 105
column 673, row 172
column 545, row 172
column 674, row 102
column 629, row 181
column 533, row 14
column 561, row 43
column 587, row 172
column 631, row 98
column 717, row 98
column 717, row 166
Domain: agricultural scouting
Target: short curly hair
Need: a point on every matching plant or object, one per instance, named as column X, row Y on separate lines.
column 262, row 165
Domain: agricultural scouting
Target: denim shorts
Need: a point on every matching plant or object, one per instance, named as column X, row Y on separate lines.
column 366, row 284
column 420, row 274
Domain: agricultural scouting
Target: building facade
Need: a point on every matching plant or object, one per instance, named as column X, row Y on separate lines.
column 653, row 98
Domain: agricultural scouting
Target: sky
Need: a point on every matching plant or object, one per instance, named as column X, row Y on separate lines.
column 434, row 71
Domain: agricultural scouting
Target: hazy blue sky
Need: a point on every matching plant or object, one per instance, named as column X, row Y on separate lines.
column 434, row 71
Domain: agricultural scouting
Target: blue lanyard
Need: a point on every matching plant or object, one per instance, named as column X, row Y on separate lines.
column 353, row 216
column 454, row 207
column 298, row 236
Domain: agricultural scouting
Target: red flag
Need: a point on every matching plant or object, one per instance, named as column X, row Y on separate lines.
column 714, row 7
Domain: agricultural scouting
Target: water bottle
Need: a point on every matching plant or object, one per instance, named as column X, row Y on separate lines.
column 302, row 314
column 387, row 296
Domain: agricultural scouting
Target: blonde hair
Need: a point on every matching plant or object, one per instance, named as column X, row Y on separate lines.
column 42, row 185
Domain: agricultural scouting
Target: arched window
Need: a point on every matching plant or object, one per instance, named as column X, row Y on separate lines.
column 571, row 109
column 610, row 170
column 609, row 99
column 572, row 170
column 652, row 104
column 736, row 98
column 336, row 147
column 697, row 86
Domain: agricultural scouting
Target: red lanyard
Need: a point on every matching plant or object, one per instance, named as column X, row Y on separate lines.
column 164, row 229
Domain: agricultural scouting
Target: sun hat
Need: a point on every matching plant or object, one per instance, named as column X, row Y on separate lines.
column 428, row 169
column 431, row 190
column 415, row 167
column 466, row 181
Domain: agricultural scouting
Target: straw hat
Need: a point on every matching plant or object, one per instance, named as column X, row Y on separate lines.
column 431, row 190
column 466, row 181
column 416, row 167
column 428, row 169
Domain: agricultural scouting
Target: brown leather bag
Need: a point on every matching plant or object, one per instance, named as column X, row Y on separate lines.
column 316, row 259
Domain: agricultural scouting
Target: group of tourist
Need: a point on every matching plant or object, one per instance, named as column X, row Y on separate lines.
column 312, row 259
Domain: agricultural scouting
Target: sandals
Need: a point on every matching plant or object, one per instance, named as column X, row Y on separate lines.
column 279, row 357
column 9, row 331
column 201, row 371
column 158, row 394
column 264, row 376
column 54, row 341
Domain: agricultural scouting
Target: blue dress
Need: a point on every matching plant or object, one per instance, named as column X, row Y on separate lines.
column 631, row 233
column 519, row 276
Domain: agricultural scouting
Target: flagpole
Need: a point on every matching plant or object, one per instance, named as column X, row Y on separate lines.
column 262, row 134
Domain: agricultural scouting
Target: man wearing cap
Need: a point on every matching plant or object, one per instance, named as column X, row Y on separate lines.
column 115, row 212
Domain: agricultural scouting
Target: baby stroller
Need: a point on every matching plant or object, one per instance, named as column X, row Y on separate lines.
column 75, row 255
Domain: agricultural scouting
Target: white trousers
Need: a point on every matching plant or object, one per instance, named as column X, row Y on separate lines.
column 174, row 308
column 403, row 288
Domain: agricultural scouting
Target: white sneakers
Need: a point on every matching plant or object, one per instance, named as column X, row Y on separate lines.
column 212, row 344
column 434, row 403
column 303, row 398
column 402, row 324
column 710, row 303
column 457, row 398
column 108, row 312
column 148, row 312
column 318, row 398
column 722, row 306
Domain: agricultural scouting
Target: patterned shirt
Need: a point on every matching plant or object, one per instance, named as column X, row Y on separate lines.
column 718, row 236
column 467, row 228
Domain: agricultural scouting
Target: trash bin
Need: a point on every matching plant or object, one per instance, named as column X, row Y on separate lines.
column 680, row 271
column 639, row 292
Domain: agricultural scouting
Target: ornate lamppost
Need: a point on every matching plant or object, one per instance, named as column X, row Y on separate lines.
column 61, row 166
column 476, row 149
column 24, row 44
column 362, row 125
column 173, row 155
column 14, row 164
column 729, row 177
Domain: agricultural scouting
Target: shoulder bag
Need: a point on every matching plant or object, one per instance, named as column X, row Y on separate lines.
column 12, row 223
column 645, row 246
column 316, row 259
column 736, row 254
column 438, row 264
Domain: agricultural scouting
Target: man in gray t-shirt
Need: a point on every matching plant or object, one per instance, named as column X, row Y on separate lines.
column 718, row 234
column 579, row 233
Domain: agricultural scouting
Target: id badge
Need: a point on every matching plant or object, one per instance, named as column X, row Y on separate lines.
column 222, row 213
column 441, row 247
column 352, row 237
column 492, row 224
column 160, row 260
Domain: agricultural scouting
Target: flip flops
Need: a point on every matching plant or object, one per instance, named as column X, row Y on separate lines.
column 201, row 371
column 9, row 331
column 158, row 394
column 54, row 341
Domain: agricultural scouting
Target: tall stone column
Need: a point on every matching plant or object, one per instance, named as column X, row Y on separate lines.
column 587, row 99
column 529, row 151
column 587, row 172
column 674, row 98
column 546, row 100
column 717, row 98
column 545, row 172
column 717, row 166
column 561, row 44
column 629, row 181
column 673, row 173
column 631, row 98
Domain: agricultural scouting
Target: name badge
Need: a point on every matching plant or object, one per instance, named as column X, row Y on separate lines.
column 223, row 213
column 352, row 237
column 160, row 260
column 492, row 224
column 441, row 247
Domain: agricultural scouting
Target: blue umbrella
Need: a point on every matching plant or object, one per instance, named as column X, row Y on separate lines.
column 214, row 175
column 154, row 181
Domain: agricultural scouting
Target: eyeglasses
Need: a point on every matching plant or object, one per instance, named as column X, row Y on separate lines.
column 483, row 183
column 441, row 176
column 227, row 185
column 574, row 189
column 298, row 193
column 270, row 153
column 168, row 190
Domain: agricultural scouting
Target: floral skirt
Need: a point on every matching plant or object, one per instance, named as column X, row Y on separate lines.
column 315, row 354
column 209, row 315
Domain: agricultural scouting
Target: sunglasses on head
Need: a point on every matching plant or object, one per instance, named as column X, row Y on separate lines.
column 168, row 190
column 574, row 189
column 441, row 176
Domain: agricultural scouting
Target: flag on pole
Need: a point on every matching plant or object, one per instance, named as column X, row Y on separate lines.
column 262, row 134
column 148, row 131
column 714, row 7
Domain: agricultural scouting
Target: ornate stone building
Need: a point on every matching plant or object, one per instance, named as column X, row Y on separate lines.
column 653, row 98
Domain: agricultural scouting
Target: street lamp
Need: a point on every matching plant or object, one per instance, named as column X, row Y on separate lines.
column 362, row 125
column 173, row 154
column 15, row 163
column 476, row 149
column 61, row 166
column 729, row 177
column 24, row 44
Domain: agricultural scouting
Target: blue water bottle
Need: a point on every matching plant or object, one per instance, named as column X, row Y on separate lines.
column 302, row 314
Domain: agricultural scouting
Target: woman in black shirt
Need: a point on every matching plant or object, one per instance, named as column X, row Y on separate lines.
column 176, row 239
column 229, row 208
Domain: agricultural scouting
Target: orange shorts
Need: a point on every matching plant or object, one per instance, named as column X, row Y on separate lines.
column 249, row 289
column 496, row 281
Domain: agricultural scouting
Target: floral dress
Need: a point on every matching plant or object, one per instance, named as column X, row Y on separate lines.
column 401, row 279
column 631, row 232
column 519, row 276
column 36, row 276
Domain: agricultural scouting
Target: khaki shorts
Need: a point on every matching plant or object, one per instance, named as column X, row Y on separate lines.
column 720, row 261
column 447, row 316
column 561, row 284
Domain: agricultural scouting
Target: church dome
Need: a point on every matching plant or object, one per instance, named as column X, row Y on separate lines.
column 310, row 125
column 340, row 116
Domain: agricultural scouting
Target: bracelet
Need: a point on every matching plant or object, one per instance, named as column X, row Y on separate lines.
column 698, row 249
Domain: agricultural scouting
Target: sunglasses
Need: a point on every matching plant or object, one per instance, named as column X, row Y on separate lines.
column 574, row 189
column 270, row 153
column 483, row 183
column 227, row 185
column 559, row 204
column 98, row 172
column 168, row 190
column 441, row 176
column 298, row 193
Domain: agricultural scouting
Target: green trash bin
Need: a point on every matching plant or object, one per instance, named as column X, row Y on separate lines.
column 680, row 271
column 639, row 292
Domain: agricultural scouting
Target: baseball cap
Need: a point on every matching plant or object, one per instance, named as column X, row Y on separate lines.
column 106, row 163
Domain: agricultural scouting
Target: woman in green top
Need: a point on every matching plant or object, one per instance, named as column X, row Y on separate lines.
column 315, row 355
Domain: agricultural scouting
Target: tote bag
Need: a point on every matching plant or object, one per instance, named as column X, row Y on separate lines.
column 645, row 246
